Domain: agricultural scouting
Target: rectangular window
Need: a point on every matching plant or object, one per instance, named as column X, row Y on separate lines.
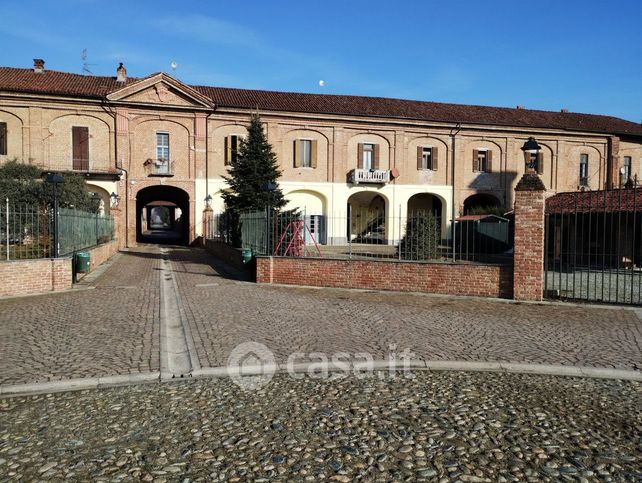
column 481, row 161
column 80, row 147
column 426, row 158
column 162, row 153
column 3, row 138
column 162, row 146
column 626, row 172
column 368, row 156
column 584, row 169
column 306, row 153
column 232, row 145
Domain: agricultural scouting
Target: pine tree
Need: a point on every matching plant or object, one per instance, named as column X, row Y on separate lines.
column 253, row 171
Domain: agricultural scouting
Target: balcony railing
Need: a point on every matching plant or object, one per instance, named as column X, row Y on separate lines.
column 159, row 167
column 372, row 176
column 86, row 166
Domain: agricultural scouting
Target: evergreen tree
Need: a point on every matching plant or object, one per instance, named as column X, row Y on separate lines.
column 254, row 169
column 421, row 240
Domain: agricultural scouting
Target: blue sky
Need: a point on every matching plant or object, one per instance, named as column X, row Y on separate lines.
column 582, row 55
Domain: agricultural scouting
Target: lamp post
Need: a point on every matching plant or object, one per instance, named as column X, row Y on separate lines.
column 55, row 179
column 95, row 198
column 269, row 187
column 531, row 149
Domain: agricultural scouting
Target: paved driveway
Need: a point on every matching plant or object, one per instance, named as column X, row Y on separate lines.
column 112, row 327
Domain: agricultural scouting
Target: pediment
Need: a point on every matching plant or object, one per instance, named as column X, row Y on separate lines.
column 161, row 89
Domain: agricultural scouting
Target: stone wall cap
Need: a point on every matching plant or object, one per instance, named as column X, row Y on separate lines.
column 530, row 182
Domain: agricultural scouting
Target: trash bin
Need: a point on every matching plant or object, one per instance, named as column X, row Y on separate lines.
column 246, row 255
column 82, row 262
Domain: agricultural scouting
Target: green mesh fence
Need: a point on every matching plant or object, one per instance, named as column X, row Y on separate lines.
column 78, row 230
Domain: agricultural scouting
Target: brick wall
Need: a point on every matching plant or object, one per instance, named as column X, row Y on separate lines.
column 102, row 253
column 35, row 276
column 440, row 278
column 30, row 277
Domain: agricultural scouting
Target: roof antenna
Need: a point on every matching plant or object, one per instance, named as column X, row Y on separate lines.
column 85, row 65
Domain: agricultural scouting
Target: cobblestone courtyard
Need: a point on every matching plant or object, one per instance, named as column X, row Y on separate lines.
column 469, row 427
column 111, row 326
column 448, row 426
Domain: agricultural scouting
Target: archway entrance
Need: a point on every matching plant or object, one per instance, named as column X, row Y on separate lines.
column 481, row 204
column 162, row 215
column 424, row 203
column 367, row 218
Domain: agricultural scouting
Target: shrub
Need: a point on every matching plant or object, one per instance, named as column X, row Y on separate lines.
column 421, row 240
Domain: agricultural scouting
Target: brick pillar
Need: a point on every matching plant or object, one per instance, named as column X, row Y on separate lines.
column 208, row 213
column 528, row 276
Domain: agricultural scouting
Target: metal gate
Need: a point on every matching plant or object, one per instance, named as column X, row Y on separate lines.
column 593, row 246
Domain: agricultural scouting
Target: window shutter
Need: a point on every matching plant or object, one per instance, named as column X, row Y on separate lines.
column 434, row 154
column 489, row 161
column 80, row 147
column 375, row 164
column 540, row 162
column 297, row 153
column 3, row 138
column 420, row 157
column 360, row 156
column 475, row 158
column 313, row 153
column 228, row 150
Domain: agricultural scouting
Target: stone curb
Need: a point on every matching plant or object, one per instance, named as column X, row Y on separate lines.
column 78, row 384
column 417, row 364
column 320, row 367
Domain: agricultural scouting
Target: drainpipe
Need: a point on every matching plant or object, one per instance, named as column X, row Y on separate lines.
column 126, row 206
column 453, row 225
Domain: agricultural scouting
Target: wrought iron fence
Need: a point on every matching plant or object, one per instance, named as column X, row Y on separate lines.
column 28, row 231
column 366, row 234
column 25, row 231
column 593, row 246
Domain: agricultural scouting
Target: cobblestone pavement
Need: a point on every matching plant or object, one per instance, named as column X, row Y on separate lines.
column 223, row 313
column 113, row 328
column 469, row 427
column 110, row 329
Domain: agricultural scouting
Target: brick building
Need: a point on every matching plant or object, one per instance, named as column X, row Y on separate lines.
column 158, row 142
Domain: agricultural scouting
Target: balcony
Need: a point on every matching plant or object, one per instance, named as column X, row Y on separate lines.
column 92, row 169
column 369, row 176
column 159, row 167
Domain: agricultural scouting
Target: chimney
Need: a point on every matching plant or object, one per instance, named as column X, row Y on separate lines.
column 121, row 73
column 38, row 66
column 564, row 110
column 519, row 107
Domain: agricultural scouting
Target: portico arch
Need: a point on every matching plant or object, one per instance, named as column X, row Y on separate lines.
column 171, row 207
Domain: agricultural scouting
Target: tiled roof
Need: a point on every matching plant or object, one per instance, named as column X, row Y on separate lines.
column 62, row 83
column 59, row 83
column 611, row 201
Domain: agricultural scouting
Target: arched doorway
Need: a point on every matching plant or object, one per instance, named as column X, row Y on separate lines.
column 423, row 203
column 162, row 215
column 367, row 218
column 481, row 204
column 105, row 198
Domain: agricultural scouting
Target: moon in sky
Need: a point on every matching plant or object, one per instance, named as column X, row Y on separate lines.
column 321, row 83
